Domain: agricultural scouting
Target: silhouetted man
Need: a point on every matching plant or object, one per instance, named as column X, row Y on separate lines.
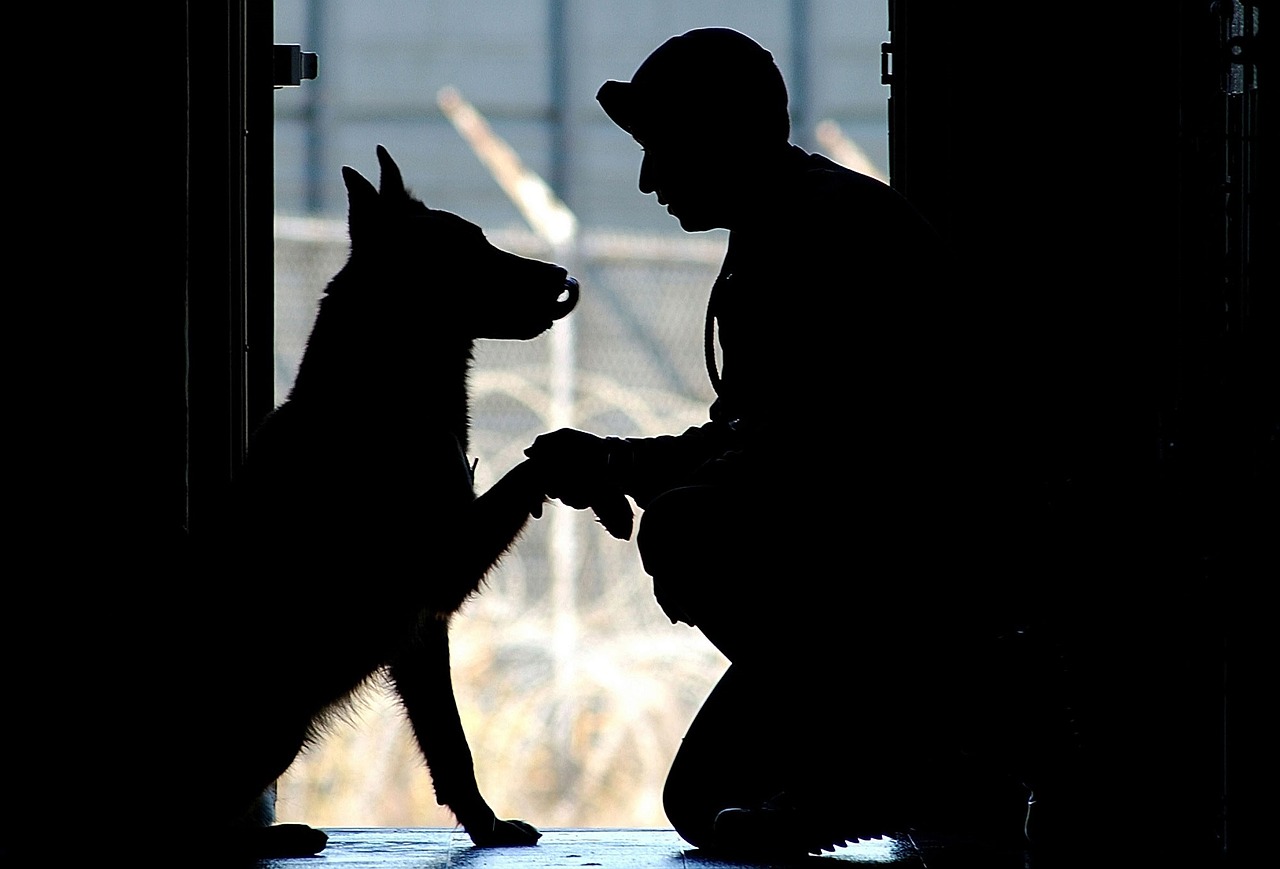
column 804, row 527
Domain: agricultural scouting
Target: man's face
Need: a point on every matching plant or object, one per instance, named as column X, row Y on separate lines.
column 692, row 180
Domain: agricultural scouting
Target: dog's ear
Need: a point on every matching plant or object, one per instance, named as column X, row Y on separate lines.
column 392, row 182
column 359, row 190
column 362, row 200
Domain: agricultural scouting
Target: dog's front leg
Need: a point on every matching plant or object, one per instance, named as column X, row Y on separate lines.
column 496, row 518
column 421, row 675
column 482, row 533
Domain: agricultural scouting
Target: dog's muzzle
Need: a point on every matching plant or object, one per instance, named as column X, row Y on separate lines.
column 567, row 300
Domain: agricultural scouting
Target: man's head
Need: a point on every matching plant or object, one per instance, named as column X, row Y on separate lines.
column 706, row 105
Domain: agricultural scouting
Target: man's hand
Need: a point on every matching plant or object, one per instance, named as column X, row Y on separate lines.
column 574, row 468
column 574, row 465
column 614, row 512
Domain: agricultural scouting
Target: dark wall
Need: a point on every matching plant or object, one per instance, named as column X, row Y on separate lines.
column 1112, row 323
column 125, row 209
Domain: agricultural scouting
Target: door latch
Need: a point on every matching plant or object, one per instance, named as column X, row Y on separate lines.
column 291, row 65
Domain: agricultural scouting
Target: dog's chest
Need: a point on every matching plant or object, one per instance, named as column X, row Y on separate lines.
column 464, row 470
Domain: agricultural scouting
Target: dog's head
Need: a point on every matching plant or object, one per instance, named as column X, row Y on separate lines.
column 481, row 289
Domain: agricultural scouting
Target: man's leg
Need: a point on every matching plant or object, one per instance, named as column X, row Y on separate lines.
column 786, row 722
column 730, row 756
column 725, row 563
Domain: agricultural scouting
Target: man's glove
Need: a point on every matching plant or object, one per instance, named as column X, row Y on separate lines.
column 580, row 469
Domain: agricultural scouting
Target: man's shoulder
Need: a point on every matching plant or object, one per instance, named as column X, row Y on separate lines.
column 822, row 177
column 829, row 195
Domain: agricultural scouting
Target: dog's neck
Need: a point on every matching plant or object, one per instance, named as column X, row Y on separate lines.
column 359, row 388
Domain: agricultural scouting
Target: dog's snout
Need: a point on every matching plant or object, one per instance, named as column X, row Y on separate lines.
column 568, row 298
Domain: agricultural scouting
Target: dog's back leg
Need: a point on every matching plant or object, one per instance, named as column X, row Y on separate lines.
column 256, row 835
column 421, row 676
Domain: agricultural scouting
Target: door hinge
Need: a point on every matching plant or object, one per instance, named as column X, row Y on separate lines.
column 291, row 65
column 886, row 50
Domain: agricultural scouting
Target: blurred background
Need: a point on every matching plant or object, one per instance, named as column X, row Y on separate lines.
column 574, row 688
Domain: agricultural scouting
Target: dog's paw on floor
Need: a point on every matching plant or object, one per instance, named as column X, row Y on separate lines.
column 278, row 841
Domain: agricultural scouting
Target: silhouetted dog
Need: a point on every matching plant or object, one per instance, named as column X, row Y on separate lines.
column 357, row 497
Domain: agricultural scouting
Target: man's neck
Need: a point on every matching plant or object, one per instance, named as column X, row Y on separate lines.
column 769, row 178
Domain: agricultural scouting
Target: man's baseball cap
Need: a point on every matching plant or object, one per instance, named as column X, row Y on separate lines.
column 712, row 78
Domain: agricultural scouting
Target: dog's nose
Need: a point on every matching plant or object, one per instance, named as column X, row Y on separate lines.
column 568, row 298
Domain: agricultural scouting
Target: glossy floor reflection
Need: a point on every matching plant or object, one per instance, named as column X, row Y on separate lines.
column 429, row 847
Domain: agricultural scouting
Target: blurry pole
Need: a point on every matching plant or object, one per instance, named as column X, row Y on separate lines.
column 547, row 216
column 839, row 147
column 555, row 224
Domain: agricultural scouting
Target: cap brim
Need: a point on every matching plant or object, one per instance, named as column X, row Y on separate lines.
column 618, row 99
